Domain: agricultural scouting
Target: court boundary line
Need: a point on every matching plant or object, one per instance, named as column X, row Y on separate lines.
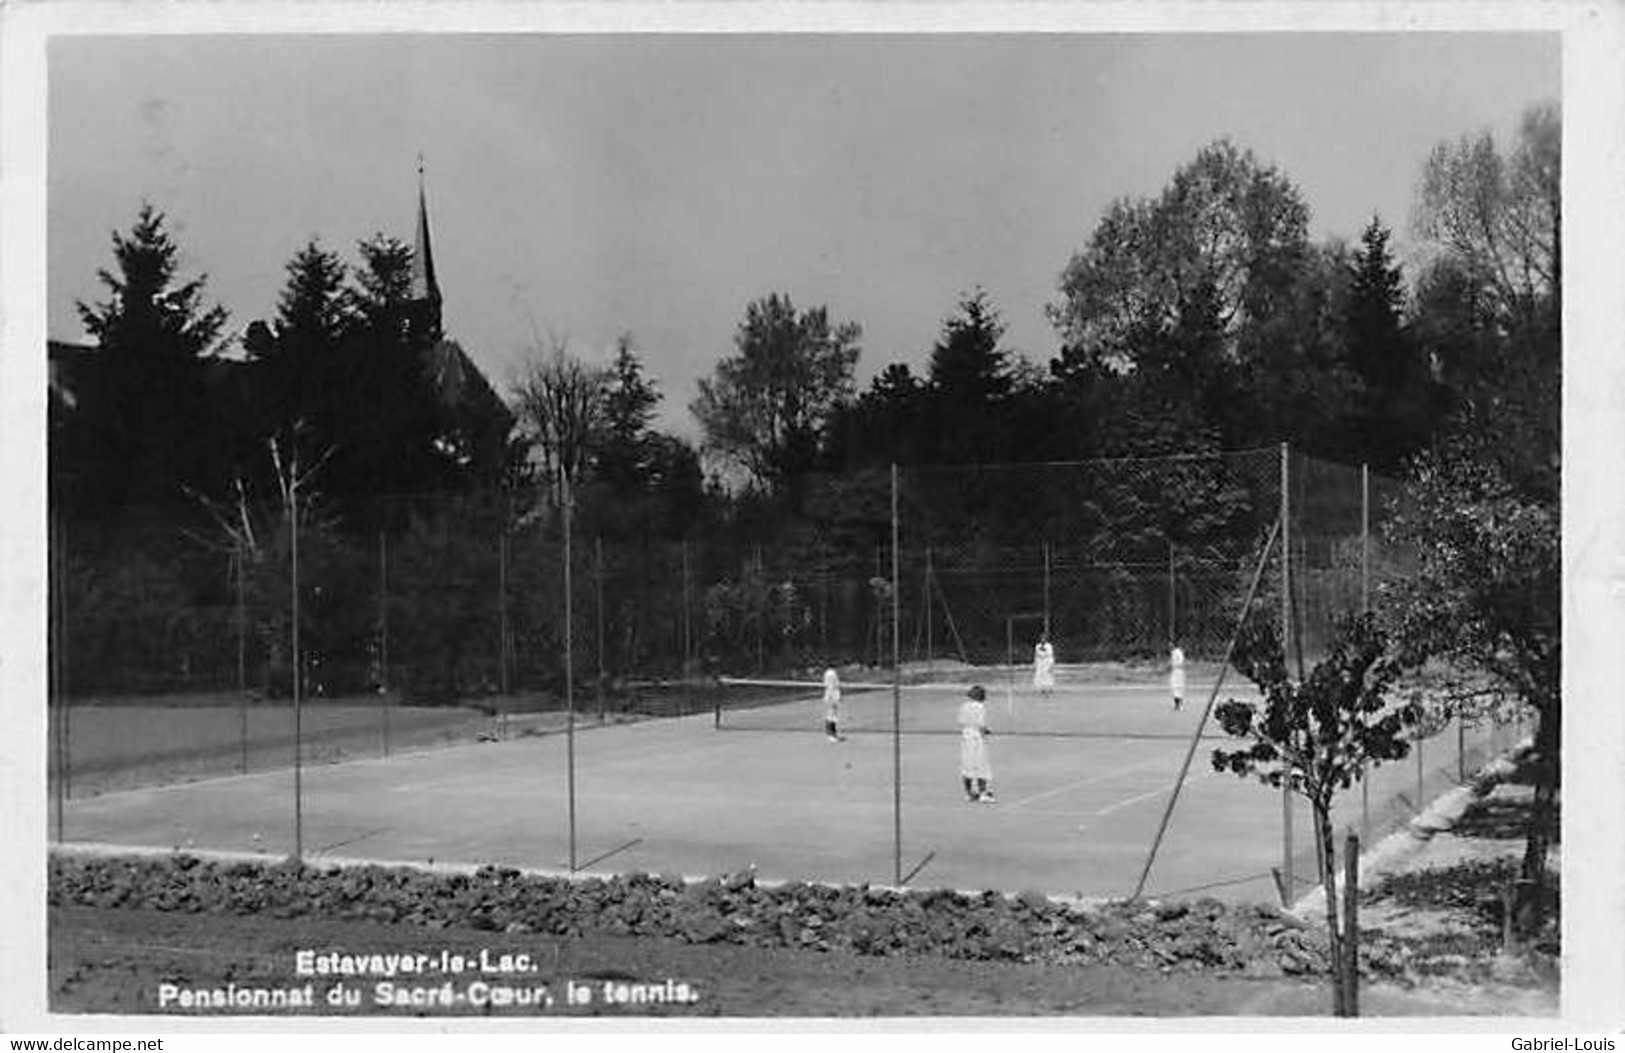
column 1137, row 798
column 1064, row 787
column 352, row 762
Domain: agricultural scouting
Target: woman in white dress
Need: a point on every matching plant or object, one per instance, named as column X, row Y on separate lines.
column 1044, row 666
column 974, row 767
column 1176, row 676
column 832, row 704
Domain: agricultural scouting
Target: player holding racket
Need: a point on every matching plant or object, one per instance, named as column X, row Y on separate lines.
column 974, row 767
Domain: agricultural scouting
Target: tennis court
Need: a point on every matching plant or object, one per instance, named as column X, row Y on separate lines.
column 1076, row 815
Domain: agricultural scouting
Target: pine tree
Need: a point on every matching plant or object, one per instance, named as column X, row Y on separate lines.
column 1391, row 416
column 384, row 436
column 630, row 399
column 155, row 337
column 298, row 370
column 967, row 365
column 312, row 308
column 969, row 379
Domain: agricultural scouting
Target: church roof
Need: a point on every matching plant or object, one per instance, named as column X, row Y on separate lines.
column 424, row 286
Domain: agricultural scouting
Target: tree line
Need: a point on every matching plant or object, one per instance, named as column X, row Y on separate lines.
column 1198, row 319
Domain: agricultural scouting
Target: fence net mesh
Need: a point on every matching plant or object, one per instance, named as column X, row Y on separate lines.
column 432, row 619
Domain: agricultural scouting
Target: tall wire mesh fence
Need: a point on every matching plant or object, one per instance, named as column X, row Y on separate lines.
column 441, row 618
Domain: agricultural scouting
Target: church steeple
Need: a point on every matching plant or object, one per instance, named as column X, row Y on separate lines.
column 425, row 291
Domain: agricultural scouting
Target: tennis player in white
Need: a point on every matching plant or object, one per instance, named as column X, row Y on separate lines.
column 1044, row 666
column 974, row 767
column 832, row 704
column 1176, row 676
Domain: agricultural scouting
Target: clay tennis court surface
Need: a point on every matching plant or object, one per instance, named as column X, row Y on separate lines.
column 1076, row 813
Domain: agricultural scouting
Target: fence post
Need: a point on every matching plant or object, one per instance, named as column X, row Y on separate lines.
column 896, row 699
column 567, row 499
column 688, row 637
column 383, row 631
column 1010, row 665
column 1286, row 638
column 1419, row 776
column 502, row 608
column 761, row 612
column 930, row 651
column 58, row 623
column 880, row 609
column 1213, row 693
column 1046, row 590
column 1173, row 598
column 823, row 606
column 1351, row 924
column 298, row 737
column 598, row 612
column 242, row 656
column 1365, row 538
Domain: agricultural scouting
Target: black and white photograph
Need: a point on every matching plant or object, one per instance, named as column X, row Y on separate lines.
column 1027, row 515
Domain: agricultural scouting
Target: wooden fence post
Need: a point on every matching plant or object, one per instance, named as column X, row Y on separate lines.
column 1351, row 924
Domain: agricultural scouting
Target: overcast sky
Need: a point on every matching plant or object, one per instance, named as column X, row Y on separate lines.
column 585, row 186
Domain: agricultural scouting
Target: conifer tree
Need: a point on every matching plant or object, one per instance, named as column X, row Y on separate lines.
column 155, row 335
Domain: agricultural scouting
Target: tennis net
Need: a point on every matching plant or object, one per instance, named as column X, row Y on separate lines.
column 1084, row 710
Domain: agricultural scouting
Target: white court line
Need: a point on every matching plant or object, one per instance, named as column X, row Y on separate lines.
column 352, row 763
column 1137, row 798
column 1085, row 782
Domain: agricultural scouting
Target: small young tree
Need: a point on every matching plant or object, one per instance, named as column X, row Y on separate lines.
column 1318, row 736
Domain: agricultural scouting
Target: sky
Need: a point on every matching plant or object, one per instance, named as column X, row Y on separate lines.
column 581, row 186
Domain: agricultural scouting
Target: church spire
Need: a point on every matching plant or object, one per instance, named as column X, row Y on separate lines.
column 425, row 291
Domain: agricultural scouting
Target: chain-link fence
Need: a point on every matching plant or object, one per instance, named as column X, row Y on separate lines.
column 180, row 634
column 446, row 598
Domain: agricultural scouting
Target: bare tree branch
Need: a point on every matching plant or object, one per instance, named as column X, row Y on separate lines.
column 560, row 402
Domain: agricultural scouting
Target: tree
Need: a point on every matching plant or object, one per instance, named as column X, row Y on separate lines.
column 1486, row 599
column 155, row 430
column 624, row 447
column 298, row 355
column 390, row 424
column 383, row 290
column 1482, row 510
column 1317, row 736
column 1375, row 308
column 1490, row 300
column 1294, row 383
column 643, row 484
column 1182, row 289
column 970, row 379
column 677, row 486
column 1501, row 216
column 967, row 365
column 312, row 308
column 765, row 409
column 1226, row 235
column 560, row 403
column 888, row 423
column 447, row 624
column 1397, row 401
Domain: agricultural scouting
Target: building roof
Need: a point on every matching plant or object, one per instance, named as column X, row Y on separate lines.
column 424, row 286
